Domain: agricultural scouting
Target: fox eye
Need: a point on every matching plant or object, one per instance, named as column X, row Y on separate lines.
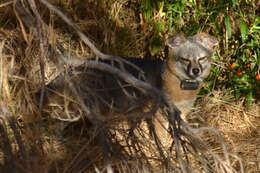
column 203, row 59
column 184, row 60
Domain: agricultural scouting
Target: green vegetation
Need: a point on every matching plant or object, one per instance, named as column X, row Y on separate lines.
column 236, row 25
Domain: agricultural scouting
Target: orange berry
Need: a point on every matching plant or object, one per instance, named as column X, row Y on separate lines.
column 238, row 72
column 257, row 77
column 248, row 65
column 230, row 67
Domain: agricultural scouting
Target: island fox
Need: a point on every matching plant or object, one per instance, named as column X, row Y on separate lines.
column 188, row 64
column 178, row 77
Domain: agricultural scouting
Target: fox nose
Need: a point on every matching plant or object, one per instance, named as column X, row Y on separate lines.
column 195, row 71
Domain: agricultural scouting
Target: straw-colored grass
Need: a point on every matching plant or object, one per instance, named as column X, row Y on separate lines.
column 239, row 127
column 39, row 142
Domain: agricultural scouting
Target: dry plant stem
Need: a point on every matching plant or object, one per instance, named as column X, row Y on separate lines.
column 26, row 14
column 7, row 119
column 179, row 156
column 81, row 35
column 109, row 168
column 74, row 160
column 203, row 129
column 5, row 144
column 6, row 4
column 105, row 147
column 92, row 118
column 88, row 42
column 143, row 86
column 239, row 160
column 18, row 138
column 79, row 62
column 225, row 165
column 1, row 66
column 43, row 42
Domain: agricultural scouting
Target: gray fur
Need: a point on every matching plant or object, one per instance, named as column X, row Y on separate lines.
column 191, row 55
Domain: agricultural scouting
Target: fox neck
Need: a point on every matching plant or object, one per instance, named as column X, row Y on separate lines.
column 171, row 85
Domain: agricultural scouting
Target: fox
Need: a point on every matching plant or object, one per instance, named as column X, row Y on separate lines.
column 178, row 77
column 188, row 64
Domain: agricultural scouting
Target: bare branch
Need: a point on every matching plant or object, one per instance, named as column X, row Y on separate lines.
column 6, row 4
column 88, row 42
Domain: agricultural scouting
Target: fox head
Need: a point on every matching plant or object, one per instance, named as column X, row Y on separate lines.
column 190, row 57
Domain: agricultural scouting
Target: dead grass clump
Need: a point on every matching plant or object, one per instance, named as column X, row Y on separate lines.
column 238, row 126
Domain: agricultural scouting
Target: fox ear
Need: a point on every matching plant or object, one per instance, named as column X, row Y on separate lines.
column 206, row 40
column 176, row 40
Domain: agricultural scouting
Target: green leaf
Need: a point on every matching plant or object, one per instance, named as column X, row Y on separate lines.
column 244, row 78
column 243, row 30
column 159, row 27
column 155, row 45
column 237, row 93
column 235, row 78
column 228, row 26
column 249, row 98
column 252, row 66
column 170, row 23
column 234, row 4
column 215, row 58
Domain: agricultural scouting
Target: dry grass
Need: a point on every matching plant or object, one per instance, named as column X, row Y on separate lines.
column 49, row 145
column 238, row 126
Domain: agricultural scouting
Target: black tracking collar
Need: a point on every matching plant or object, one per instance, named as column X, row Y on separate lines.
column 189, row 84
column 186, row 84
